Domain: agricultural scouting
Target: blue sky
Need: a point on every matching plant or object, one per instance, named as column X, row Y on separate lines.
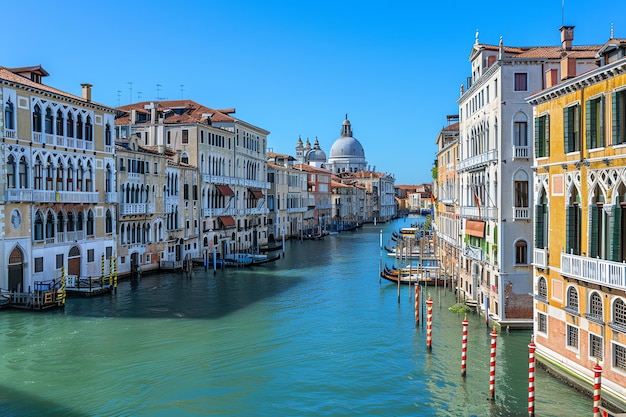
column 294, row 68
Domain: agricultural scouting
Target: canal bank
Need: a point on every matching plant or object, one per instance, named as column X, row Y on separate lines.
column 314, row 333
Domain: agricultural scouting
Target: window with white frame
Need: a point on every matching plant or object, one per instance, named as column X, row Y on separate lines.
column 619, row 357
column 542, row 323
column 572, row 337
column 595, row 346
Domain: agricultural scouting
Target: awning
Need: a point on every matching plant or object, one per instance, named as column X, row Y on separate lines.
column 227, row 221
column 225, row 190
column 256, row 192
column 475, row 228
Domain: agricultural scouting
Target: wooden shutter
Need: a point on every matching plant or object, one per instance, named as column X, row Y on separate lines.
column 615, row 110
column 569, row 228
column 546, row 136
column 588, row 124
column 539, row 225
column 616, row 235
column 538, row 150
column 593, row 231
column 566, row 132
column 601, row 127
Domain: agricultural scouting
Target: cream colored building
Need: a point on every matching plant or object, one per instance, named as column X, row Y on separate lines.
column 58, row 181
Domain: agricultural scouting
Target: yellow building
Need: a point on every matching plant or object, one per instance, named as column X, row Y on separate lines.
column 580, row 222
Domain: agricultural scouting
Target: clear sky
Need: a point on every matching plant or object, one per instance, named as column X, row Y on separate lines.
column 295, row 68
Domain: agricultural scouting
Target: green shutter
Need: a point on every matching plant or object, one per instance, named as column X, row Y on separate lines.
column 538, row 150
column 616, row 235
column 593, row 235
column 566, row 132
column 614, row 118
column 588, row 123
column 601, row 133
column 539, row 224
column 546, row 137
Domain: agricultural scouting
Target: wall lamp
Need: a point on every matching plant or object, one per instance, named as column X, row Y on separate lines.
column 606, row 161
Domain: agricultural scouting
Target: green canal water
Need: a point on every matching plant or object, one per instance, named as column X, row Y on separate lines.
column 312, row 334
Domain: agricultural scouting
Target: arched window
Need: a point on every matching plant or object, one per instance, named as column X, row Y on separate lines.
column 11, row 169
column 595, row 307
column 37, row 118
column 79, row 176
column 108, row 179
column 49, row 121
column 521, row 252
column 90, row 223
column 50, row 225
column 108, row 225
column 60, row 222
column 88, row 129
column 70, row 176
column 184, row 158
column 520, row 130
column 79, row 126
column 542, row 289
column 88, row 178
column 38, row 229
column 71, row 222
column 9, row 122
column 59, row 175
column 572, row 300
column 69, row 125
column 619, row 314
column 23, row 173
column 80, row 221
column 59, row 124
column 107, row 135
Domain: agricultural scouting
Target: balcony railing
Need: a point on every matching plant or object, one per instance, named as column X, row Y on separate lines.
column 475, row 253
column 520, row 152
column 128, row 209
column 50, row 196
column 110, row 197
column 541, row 258
column 521, row 213
column 485, row 212
column 212, row 212
column 10, row 133
column 597, row 271
column 477, row 160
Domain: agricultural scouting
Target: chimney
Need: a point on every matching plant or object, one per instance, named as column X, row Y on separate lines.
column 86, row 91
column 552, row 77
column 568, row 67
column 567, row 36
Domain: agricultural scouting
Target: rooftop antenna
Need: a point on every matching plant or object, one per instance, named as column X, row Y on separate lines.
column 562, row 12
column 130, row 87
column 182, row 91
column 119, row 93
column 138, row 95
column 612, row 31
column 158, row 96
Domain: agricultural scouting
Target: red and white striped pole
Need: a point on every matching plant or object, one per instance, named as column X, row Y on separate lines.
column 429, row 323
column 464, row 346
column 417, row 304
column 597, row 387
column 531, row 377
column 492, row 365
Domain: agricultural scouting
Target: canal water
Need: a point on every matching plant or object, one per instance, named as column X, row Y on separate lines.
column 313, row 334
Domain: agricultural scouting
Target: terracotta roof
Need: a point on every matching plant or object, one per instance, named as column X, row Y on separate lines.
column 451, row 127
column 182, row 111
column 9, row 74
column 547, row 52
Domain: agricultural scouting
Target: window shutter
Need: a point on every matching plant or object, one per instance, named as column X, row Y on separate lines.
column 538, row 150
column 588, row 123
column 616, row 102
column 616, row 235
column 539, row 219
column 566, row 133
column 569, row 228
column 593, row 236
column 601, row 132
column 546, row 137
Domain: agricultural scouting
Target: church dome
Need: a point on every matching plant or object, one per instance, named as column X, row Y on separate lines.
column 316, row 154
column 347, row 146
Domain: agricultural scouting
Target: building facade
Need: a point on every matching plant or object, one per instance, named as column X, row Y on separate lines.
column 580, row 222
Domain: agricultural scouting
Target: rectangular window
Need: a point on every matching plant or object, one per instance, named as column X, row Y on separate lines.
column 619, row 357
column 542, row 323
column 38, row 264
column 594, row 120
column 90, row 255
column 109, row 251
column 521, row 193
column 595, row 346
column 59, row 261
column 572, row 336
column 521, row 81
column 571, row 128
column 185, row 136
column 542, row 136
column 618, row 116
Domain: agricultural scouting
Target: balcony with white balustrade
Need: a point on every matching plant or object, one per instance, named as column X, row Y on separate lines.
column 594, row 271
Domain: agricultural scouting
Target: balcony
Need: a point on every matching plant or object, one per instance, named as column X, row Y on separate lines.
column 50, row 196
column 213, row 212
column 595, row 271
column 10, row 133
column 478, row 160
column 110, row 197
column 475, row 253
column 541, row 258
column 521, row 213
column 129, row 209
column 521, row 152
column 489, row 213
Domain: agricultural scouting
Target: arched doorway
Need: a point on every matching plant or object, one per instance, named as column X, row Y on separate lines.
column 134, row 263
column 73, row 261
column 16, row 270
column 179, row 248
